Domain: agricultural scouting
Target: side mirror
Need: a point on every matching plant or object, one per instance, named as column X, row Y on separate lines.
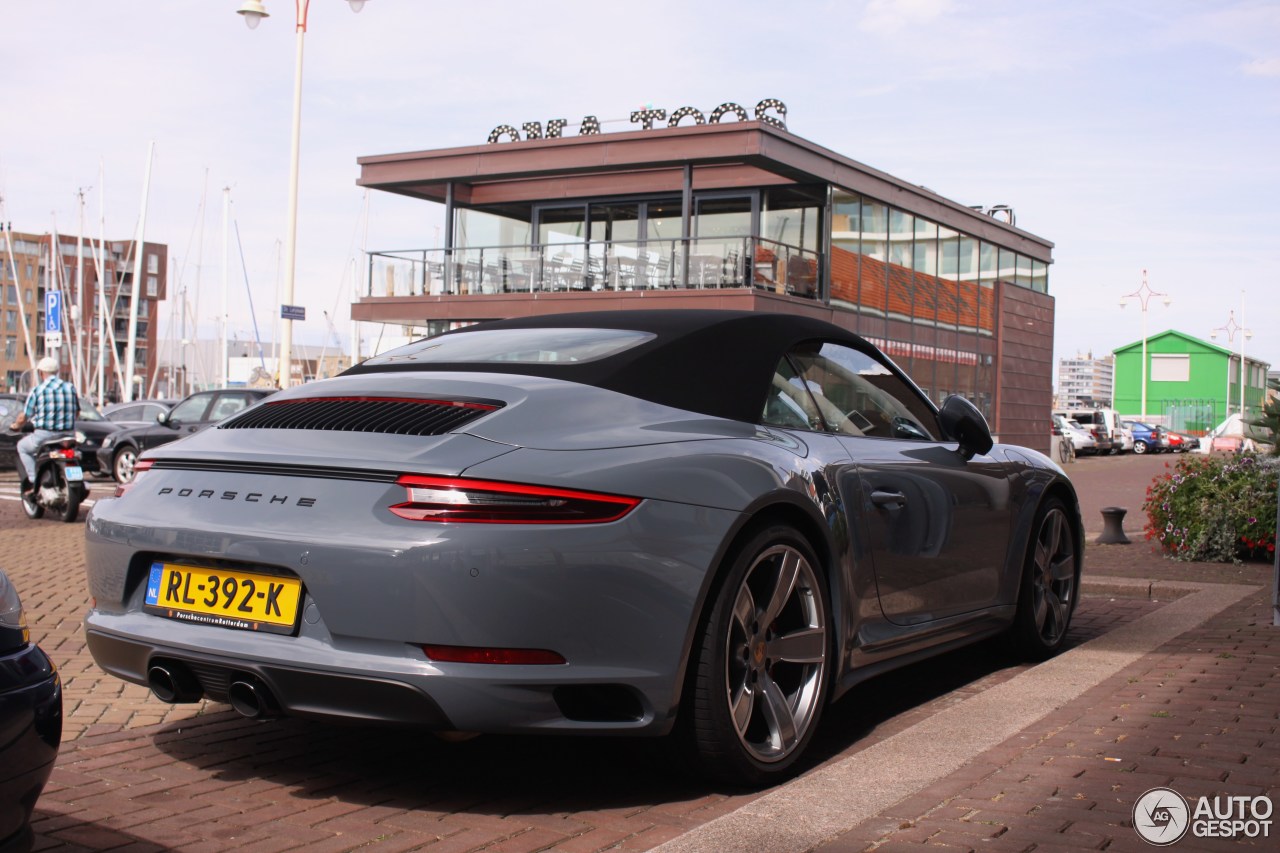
column 964, row 423
column 162, row 418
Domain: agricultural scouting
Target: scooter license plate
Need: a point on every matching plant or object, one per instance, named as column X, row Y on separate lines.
column 74, row 473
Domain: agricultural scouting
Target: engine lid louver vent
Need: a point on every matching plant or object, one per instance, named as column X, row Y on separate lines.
column 393, row 415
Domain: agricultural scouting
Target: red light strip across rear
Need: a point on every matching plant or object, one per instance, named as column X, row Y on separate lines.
column 457, row 499
column 480, row 654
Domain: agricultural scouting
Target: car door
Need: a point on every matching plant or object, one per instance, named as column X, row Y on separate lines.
column 189, row 416
column 936, row 525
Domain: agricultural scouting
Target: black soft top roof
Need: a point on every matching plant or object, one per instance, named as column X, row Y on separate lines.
column 718, row 363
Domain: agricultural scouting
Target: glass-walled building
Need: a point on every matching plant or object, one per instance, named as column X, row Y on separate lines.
column 739, row 215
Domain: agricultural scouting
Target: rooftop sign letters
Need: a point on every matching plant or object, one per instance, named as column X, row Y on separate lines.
column 646, row 117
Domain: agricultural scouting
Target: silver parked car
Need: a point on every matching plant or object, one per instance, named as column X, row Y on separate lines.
column 1082, row 441
column 607, row 523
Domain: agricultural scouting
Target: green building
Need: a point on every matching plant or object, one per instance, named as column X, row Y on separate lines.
column 1192, row 385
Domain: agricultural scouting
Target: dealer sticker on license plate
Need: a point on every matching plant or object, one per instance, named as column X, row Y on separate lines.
column 243, row 600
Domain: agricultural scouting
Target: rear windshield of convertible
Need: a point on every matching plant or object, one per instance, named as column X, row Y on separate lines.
column 517, row 346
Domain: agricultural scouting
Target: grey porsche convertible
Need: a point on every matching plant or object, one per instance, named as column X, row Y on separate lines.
column 708, row 524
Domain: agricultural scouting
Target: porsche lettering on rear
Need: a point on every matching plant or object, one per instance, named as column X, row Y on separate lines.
column 249, row 497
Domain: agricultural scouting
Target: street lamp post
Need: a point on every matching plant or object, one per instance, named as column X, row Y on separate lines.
column 1231, row 328
column 254, row 11
column 1143, row 294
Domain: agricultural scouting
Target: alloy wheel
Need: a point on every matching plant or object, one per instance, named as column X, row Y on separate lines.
column 1053, row 577
column 776, row 653
column 125, row 460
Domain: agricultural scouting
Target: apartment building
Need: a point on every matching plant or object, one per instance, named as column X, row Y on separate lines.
column 96, row 282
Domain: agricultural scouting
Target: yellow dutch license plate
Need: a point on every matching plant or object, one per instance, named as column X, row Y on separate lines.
column 243, row 600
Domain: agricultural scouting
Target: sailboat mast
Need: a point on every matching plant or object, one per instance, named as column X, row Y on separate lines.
column 102, row 285
column 22, row 314
column 82, row 342
column 127, row 394
column 204, row 209
column 226, row 267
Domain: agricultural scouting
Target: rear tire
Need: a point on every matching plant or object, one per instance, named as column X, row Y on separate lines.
column 761, row 676
column 1050, row 585
column 72, row 507
column 1140, row 447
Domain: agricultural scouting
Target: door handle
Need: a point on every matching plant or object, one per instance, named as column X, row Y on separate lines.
column 890, row 499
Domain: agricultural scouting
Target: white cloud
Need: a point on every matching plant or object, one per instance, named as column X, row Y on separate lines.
column 1262, row 68
column 888, row 17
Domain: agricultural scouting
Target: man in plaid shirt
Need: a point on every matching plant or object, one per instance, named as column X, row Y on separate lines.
column 51, row 408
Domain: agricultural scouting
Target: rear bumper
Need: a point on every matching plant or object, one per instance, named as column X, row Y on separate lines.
column 298, row 691
column 424, row 695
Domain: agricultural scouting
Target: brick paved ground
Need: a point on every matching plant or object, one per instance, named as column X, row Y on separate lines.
column 135, row 774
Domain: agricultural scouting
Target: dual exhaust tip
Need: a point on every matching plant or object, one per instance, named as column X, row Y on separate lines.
column 174, row 683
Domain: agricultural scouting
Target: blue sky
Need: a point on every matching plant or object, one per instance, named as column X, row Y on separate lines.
column 1136, row 135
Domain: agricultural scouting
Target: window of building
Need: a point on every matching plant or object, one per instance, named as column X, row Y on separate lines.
column 792, row 216
column 10, row 347
column 717, row 217
column 873, row 270
column 846, row 237
column 153, row 285
column 1170, row 368
column 153, row 263
column 1040, row 276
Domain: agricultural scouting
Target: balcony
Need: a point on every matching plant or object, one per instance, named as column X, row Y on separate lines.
column 659, row 265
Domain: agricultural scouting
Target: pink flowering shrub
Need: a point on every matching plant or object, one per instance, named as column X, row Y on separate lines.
column 1215, row 508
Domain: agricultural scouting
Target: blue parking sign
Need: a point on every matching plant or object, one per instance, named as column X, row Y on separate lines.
column 53, row 311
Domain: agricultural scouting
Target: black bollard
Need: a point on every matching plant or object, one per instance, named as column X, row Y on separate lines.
column 1113, row 526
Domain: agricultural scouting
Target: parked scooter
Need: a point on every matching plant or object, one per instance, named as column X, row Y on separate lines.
column 60, row 484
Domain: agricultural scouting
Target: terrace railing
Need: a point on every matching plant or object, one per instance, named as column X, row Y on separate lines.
column 697, row 263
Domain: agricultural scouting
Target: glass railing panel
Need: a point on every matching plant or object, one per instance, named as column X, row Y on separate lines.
column 618, row 265
column 785, row 269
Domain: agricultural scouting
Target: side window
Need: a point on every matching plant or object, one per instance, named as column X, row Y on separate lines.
column 789, row 403
column 190, row 409
column 859, row 396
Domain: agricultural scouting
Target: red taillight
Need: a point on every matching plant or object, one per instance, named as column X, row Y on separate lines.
column 139, row 468
column 63, row 453
column 461, row 500
column 480, row 654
